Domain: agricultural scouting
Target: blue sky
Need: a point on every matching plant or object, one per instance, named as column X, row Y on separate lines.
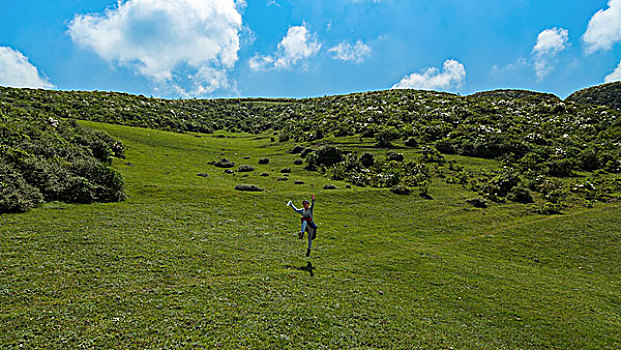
column 228, row 48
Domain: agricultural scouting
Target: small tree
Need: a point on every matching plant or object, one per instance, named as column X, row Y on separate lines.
column 386, row 135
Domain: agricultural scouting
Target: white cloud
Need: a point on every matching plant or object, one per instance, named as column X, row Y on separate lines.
column 165, row 39
column 550, row 43
column 16, row 71
column 297, row 46
column 615, row 75
column 604, row 29
column 453, row 75
column 345, row 51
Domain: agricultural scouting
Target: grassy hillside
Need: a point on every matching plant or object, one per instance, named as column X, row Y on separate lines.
column 603, row 95
column 188, row 262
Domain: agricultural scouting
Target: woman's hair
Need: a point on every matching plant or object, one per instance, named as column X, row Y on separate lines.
column 305, row 201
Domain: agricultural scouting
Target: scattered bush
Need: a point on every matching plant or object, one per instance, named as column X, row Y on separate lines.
column 400, row 190
column 282, row 179
column 264, row 161
column 444, row 146
column 202, row 174
column 328, row 155
column 560, row 167
column 306, row 151
column 367, row 159
column 228, row 171
column 520, row 194
column 411, row 142
column 391, row 155
column 298, row 162
column 386, row 136
column 245, row 169
column 285, row 170
column 368, row 132
column 248, row 187
column 329, row 187
column 477, row 202
column 224, row 163
column 297, row 149
column 299, row 182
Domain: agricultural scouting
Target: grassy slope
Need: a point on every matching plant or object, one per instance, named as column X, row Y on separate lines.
column 189, row 262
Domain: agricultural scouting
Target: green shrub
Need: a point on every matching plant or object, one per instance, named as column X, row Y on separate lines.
column 560, row 167
column 248, row 187
column 328, row 155
column 391, row 155
column 386, row 135
column 264, row 161
column 367, row 159
column 16, row 195
column 411, row 142
column 245, row 169
column 520, row 194
column 224, row 163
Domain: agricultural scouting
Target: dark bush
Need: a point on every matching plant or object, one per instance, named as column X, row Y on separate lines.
column 299, row 182
column 245, row 169
column 444, row 146
column 306, row 151
column 329, row 187
column 224, row 163
column 264, row 161
column 264, row 174
column 343, row 130
column 247, row 187
column 282, row 179
column 411, row 142
column 202, row 174
column 400, row 190
column 298, row 162
column 228, row 171
column 477, row 202
column 368, row 132
column 391, row 155
column 367, row 159
column 560, row 167
column 520, row 194
column 297, row 149
column 328, row 155
column 386, row 136
column 589, row 160
column 15, row 194
column 285, row 170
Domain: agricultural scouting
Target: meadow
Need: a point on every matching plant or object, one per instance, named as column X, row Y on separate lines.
column 188, row 262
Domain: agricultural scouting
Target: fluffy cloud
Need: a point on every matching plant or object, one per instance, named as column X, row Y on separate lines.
column 16, row 71
column 165, row 39
column 550, row 43
column 604, row 29
column 453, row 75
column 297, row 46
column 615, row 75
column 345, row 51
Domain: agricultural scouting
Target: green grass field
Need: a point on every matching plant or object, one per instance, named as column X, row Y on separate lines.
column 187, row 262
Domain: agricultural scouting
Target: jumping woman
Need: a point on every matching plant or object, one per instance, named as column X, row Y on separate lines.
column 308, row 224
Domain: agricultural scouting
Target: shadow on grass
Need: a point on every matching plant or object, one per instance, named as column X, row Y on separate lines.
column 308, row 268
